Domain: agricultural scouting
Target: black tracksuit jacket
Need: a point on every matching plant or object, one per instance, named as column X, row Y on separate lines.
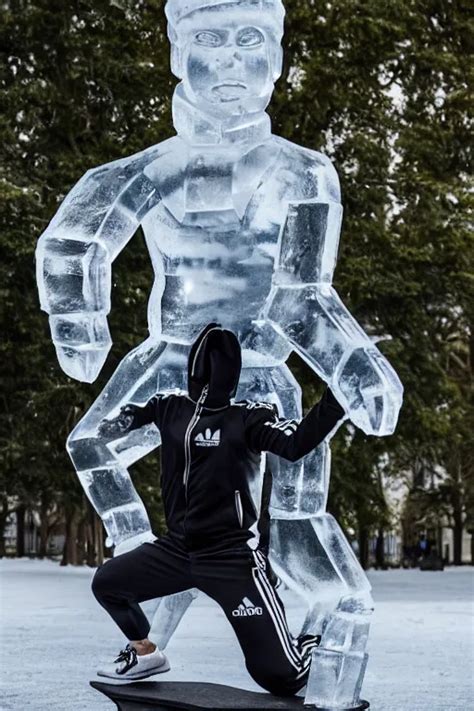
column 211, row 448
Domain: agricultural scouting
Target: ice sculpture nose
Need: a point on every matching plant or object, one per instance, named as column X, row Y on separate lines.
column 229, row 58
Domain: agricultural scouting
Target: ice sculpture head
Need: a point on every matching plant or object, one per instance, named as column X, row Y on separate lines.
column 227, row 52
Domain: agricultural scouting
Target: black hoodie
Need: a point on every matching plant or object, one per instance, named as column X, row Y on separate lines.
column 211, row 448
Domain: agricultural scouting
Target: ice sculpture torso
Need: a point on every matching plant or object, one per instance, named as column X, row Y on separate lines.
column 213, row 216
column 225, row 251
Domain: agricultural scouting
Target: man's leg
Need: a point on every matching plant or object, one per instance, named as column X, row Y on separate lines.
column 149, row 571
column 238, row 580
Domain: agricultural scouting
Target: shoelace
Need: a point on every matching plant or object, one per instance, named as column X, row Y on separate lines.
column 127, row 655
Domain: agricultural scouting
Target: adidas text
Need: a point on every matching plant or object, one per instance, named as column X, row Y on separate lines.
column 247, row 609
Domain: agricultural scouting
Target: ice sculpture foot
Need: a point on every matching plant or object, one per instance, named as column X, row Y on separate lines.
column 335, row 680
column 338, row 664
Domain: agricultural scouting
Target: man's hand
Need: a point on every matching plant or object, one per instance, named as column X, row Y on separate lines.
column 372, row 391
column 117, row 426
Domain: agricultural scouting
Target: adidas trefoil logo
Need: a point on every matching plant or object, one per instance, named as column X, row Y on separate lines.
column 208, row 439
column 247, row 609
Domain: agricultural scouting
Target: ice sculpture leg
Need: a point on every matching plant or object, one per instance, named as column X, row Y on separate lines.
column 338, row 664
column 313, row 557
column 310, row 553
column 101, row 465
column 168, row 614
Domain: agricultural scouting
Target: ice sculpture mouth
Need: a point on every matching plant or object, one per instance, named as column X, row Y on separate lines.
column 229, row 90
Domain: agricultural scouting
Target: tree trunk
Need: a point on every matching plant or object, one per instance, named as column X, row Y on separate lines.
column 82, row 542
column 20, row 531
column 380, row 551
column 457, row 540
column 43, row 543
column 2, row 536
column 99, row 538
column 95, row 542
column 364, row 547
column 457, row 504
column 70, row 541
column 44, row 529
column 4, row 513
column 90, row 548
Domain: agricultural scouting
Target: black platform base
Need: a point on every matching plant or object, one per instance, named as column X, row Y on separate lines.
column 194, row 696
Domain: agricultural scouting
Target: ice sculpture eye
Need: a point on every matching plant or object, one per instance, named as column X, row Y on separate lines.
column 206, row 38
column 250, row 37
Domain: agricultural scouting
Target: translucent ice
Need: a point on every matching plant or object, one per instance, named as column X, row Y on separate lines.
column 242, row 228
column 168, row 615
column 339, row 680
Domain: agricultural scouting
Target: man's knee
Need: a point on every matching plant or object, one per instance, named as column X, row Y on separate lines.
column 104, row 583
column 278, row 682
column 280, row 685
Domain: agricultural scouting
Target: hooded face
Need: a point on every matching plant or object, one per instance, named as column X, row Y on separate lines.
column 215, row 360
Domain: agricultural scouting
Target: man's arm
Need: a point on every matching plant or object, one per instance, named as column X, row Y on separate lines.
column 75, row 254
column 293, row 439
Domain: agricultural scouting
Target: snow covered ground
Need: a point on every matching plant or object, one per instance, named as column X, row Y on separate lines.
column 53, row 635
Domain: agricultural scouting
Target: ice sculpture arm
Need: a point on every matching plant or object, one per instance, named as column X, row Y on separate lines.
column 305, row 309
column 131, row 417
column 74, row 258
column 293, row 439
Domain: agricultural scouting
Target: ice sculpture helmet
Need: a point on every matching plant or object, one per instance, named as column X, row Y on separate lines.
column 181, row 15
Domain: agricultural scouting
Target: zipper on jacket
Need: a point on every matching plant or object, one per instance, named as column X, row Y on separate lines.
column 187, row 436
column 238, row 507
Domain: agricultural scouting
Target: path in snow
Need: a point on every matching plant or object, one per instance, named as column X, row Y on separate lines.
column 53, row 635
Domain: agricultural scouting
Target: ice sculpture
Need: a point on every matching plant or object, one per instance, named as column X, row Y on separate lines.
column 242, row 227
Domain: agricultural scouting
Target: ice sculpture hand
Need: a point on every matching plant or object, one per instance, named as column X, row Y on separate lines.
column 372, row 391
column 82, row 343
column 129, row 544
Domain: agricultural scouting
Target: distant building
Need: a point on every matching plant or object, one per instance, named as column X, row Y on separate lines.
column 31, row 536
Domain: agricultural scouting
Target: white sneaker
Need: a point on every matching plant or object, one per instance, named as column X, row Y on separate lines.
column 136, row 666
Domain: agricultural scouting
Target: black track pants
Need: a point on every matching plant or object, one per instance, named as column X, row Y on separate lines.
column 235, row 578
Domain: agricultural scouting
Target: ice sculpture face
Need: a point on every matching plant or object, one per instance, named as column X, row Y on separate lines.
column 228, row 65
column 228, row 54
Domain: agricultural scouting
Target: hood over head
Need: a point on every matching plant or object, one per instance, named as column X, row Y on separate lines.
column 215, row 360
